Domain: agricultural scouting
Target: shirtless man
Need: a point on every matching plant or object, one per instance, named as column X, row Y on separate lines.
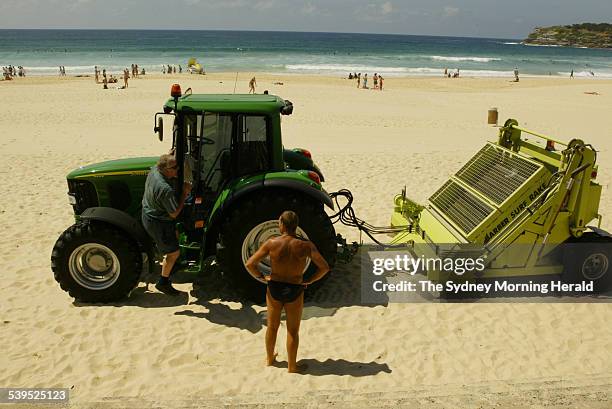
column 252, row 85
column 285, row 283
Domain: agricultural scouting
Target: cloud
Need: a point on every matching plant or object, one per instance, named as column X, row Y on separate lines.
column 374, row 12
column 450, row 11
column 78, row 4
column 265, row 4
column 386, row 8
column 233, row 4
column 309, row 8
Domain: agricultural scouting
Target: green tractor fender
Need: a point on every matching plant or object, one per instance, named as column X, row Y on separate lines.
column 259, row 186
column 296, row 159
column 124, row 222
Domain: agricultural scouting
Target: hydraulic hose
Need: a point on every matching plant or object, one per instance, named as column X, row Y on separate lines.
column 346, row 216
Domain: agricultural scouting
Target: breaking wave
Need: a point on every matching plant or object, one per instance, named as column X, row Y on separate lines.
column 343, row 68
column 455, row 59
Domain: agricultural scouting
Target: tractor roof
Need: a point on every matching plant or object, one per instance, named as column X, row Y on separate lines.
column 247, row 103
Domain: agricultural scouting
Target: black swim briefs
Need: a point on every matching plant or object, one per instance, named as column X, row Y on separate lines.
column 285, row 292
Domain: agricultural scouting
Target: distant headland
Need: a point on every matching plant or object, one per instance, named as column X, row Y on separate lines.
column 591, row 35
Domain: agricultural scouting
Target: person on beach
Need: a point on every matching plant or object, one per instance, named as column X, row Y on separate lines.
column 365, row 81
column 572, row 74
column 159, row 211
column 97, row 74
column 358, row 80
column 252, row 85
column 375, row 80
column 446, row 72
column 380, row 81
column 126, row 76
column 286, row 284
column 516, row 74
column 104, row 80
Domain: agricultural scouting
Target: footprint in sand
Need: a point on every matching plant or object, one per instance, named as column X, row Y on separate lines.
column 182, row 359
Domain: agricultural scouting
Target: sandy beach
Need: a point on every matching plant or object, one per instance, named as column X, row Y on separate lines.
column 207, row 349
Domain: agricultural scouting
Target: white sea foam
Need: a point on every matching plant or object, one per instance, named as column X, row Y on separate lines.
column 343, row 68
column 332, row 69
column 391, row 71
column 74, row 68
column 542, row 45
column 587, row 74
column 511, row 43
column 86, row 69
column 456, row 59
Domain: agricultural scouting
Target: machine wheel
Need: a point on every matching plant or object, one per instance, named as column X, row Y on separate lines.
column 256, row 220
column 95, row 262
column 589, row 259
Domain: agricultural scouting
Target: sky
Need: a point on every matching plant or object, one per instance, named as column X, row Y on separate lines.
column 469, row 18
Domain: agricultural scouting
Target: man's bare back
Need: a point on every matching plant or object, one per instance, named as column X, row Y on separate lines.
column 288, row 256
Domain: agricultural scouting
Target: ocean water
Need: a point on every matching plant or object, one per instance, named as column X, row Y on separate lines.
column 42, row 51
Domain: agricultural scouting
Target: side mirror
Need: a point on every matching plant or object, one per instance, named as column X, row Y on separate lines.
column 287, row 109
column 160, row 129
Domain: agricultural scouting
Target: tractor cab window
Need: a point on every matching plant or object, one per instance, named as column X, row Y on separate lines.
column 209, row 138
column 216, row 149
column 252, row 149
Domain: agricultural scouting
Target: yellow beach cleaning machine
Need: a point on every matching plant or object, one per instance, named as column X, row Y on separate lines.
column 521, row 204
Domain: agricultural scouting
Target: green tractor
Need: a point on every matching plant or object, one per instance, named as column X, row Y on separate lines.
column 230, row 147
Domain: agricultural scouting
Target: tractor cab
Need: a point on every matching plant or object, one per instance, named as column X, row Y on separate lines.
column 217, row 141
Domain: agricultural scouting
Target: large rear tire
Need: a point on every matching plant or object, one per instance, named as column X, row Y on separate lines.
column 96, row 262
column 255, row 220
column 589, row 259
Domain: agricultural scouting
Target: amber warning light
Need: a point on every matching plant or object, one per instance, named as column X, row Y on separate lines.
column 175, row 91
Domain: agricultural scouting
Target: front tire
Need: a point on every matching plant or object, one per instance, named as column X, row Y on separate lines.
column 589, row 259
column 95, row 262
column 251, row 223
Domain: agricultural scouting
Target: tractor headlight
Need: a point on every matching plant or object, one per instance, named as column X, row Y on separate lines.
column 71, row 199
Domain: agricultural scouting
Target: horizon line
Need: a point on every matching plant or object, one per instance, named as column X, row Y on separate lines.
column 259, row 31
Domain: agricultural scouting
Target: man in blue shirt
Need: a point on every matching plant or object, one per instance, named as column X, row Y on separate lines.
column 160, row 208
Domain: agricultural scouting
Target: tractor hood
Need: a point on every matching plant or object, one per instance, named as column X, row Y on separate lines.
column 115, row 167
